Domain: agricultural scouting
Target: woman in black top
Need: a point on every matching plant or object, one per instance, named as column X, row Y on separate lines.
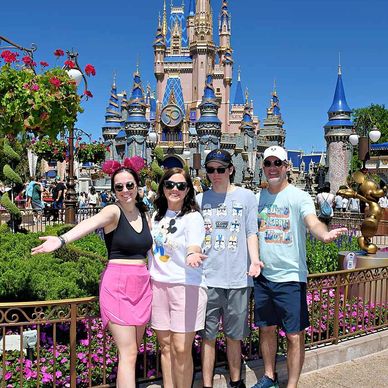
column 125, row 293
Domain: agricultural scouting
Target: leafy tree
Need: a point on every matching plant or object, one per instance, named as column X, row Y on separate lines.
column 378, row 115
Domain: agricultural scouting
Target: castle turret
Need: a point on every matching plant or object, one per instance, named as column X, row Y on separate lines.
column 190, row 21
column 113, row 119
column 337, row 132
column 226, row 60
column 202, row 48
column 209, row 125
column 136, row 125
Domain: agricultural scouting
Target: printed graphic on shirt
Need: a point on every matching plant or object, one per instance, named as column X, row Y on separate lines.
column 207, row 210
column 237, row 210
column 208, row 226
column 235, row 226
column 222, row 224
column 162, row 238
column 274, row 222
column 221, row 210
column 208, row 242
column 219, row 243
column 232, row 244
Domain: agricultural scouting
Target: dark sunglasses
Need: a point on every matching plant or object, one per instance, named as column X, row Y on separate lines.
column 169, row 185
column 120, row 187
column 277, row 163
column 212, row 170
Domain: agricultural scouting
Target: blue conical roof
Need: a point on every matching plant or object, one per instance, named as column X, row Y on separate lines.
column 112, row 115
column 339, row 101
column 209, row 105
column 136, row 103
column 247, row 122
column 239, row 96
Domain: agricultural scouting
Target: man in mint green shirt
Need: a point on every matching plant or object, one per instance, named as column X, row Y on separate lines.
column 285, row 214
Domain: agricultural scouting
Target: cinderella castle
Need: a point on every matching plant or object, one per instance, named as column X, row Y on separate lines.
column 192, row 111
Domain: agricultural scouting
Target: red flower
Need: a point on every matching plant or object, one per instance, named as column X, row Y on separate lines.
column 59, row 53
column 90, row 70
column 55, row 151
column 70, row 64
column 9, row 56
column 88, row 93
column 35, row 87
column 27, row 60
column 44, row 64
column 55, row 82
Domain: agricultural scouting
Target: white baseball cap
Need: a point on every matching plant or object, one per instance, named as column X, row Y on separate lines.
column 276, row 151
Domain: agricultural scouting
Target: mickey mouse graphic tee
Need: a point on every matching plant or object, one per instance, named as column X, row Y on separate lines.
column 172, row 235
column 229, row 219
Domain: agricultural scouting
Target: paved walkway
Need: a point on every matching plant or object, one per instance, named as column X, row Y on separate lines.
column 363, row 372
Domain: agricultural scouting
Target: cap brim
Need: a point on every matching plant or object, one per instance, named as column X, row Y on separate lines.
column 221, row 162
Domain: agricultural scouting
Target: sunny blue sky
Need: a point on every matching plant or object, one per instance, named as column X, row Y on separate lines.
column 295, row 42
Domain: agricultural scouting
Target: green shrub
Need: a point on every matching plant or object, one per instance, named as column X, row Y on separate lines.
column 71, row 272
column 323, row 257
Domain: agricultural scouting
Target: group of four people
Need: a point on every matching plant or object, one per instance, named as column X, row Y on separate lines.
column 204, row 257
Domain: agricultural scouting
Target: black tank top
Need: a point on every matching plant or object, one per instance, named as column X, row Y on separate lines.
column 125, row 243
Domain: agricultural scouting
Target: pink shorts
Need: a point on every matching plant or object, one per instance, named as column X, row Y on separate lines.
column 125, row 294
column 177, row 307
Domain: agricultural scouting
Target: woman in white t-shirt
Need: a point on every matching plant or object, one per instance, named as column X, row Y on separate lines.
column 179, row 292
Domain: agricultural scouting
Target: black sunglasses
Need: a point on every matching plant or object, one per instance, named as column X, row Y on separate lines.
column 169, row 185
column 277, row 163
column 212, row 170
column 120, row 187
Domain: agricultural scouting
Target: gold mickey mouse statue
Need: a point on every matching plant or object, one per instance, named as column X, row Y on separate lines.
column 366, row 190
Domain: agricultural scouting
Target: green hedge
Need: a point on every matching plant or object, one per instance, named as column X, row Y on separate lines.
column 70, row 272
column 324, row 257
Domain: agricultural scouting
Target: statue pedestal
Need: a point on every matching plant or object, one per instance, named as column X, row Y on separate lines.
column 370, row 287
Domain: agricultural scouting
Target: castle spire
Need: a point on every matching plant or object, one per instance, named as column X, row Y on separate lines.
column 112, row 115
column 164, row 25
column 239, row 96
column 339, row 103
column 192, row 8
column 224, row 23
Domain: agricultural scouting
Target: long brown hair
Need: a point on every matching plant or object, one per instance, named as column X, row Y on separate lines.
column 189, row 202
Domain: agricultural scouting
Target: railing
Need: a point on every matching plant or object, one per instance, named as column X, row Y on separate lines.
column 32, row 222
column 71, row 347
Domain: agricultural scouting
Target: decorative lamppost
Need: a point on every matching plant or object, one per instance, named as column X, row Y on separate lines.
column 186, row 156
column 75, row 73
column 152, row 140
column 363, row 125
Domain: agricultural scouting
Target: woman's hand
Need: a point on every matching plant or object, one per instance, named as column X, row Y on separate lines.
column 195, row 259
column 51, row 243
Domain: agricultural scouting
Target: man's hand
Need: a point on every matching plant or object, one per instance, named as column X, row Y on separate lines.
column 334, row 234
column 255, row 269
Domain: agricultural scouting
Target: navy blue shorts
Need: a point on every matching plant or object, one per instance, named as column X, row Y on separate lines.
column 281, row 304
